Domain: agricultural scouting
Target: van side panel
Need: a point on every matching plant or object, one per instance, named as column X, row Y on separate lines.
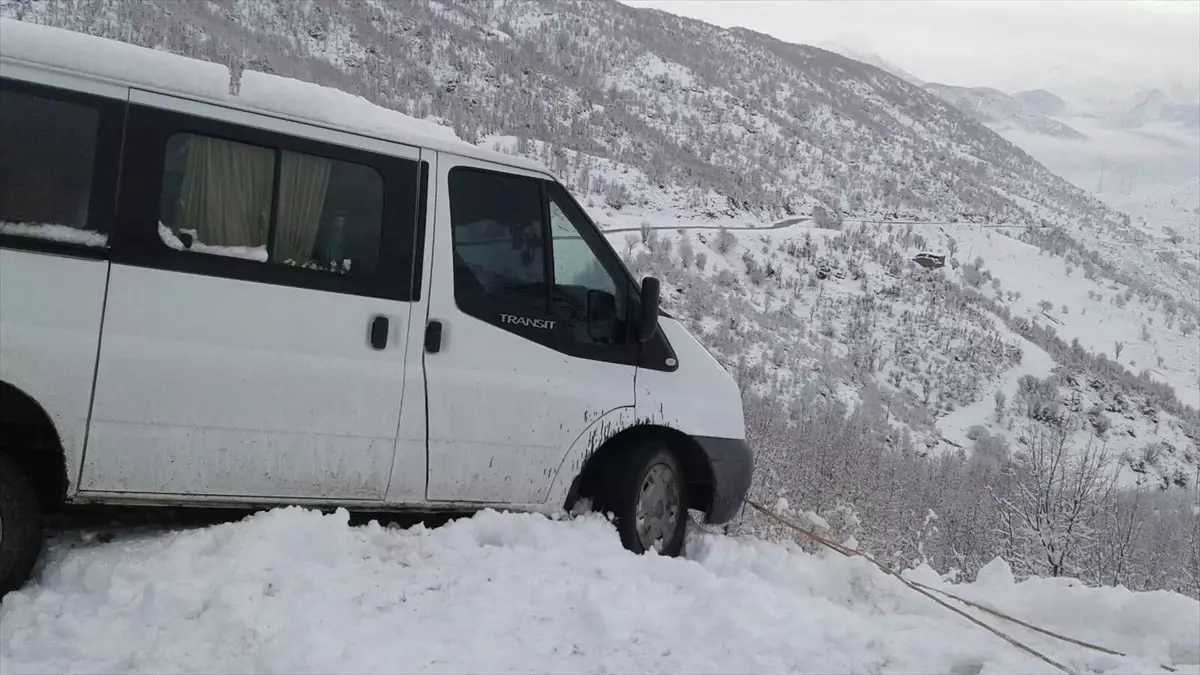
column 225, row 387
column 506, row 402
column 257, row 317
column 51, row 307
column 60, row 137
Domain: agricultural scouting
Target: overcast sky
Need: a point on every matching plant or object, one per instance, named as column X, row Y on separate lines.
column 1010, row 44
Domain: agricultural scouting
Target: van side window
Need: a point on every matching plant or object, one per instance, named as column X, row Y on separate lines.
column 499, row 252
column 234, row 199
column 585, row 294
column 47, row 155
column 217, row 196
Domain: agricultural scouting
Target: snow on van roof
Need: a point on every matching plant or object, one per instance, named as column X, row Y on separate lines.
column 170, row 73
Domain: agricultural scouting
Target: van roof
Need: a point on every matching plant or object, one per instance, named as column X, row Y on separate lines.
column 168, row 73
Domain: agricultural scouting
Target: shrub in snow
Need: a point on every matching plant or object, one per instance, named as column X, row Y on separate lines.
column 726, row 279
column 725, row 240
column 616, row 195
column 686, row 253
column 971, row 275
column 1039, row 398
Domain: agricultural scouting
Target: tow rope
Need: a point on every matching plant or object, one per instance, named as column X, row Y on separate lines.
column 925, row 591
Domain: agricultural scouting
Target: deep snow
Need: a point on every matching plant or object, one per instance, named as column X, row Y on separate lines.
column 294, row 590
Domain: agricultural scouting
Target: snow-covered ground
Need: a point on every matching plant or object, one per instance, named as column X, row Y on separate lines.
column 1092, row 314
column 294, row 590
column 1034, row 361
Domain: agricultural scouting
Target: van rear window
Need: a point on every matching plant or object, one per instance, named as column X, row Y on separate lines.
column 47, row 154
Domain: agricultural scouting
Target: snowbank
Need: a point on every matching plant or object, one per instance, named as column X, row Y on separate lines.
column 295, row 591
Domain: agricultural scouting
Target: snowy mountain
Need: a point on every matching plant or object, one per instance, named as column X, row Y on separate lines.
column 762, row 182
column 1109, row 92
column 1043, row 102
column 1000, row 111
column 1155, row 106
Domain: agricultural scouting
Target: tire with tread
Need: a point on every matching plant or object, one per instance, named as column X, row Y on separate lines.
column 620, row 488
column 20, row 527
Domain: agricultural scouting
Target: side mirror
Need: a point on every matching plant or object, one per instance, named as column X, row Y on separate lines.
column 648, row 321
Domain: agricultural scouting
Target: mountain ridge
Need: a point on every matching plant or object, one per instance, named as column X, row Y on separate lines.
column 996, row 108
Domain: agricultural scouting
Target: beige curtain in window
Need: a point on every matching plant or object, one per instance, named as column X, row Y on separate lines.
column 303, row 182
column 226, row 192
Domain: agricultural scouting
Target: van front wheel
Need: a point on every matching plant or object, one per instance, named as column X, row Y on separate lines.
column 20, row 527
column 647, row 495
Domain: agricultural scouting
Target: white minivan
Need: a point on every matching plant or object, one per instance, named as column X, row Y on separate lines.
column 241, row 290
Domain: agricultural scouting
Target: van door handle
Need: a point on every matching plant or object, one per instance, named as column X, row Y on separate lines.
column 433, row 337
column 379, row 332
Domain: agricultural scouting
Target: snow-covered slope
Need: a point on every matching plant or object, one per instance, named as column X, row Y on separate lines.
column 788, row 307
column 296, row 591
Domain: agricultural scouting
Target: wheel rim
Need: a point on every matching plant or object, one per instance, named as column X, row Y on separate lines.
column 658, row 507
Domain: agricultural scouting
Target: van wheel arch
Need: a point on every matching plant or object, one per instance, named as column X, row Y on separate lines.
column 30, row 441
column 697, row 472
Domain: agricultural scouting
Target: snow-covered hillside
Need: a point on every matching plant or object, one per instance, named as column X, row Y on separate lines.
column 296, row 591
column 798, row 304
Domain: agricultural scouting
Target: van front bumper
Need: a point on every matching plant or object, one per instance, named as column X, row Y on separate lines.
column 732, row 464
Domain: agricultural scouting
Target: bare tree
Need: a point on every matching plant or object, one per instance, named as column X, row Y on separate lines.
column 1056, row 494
